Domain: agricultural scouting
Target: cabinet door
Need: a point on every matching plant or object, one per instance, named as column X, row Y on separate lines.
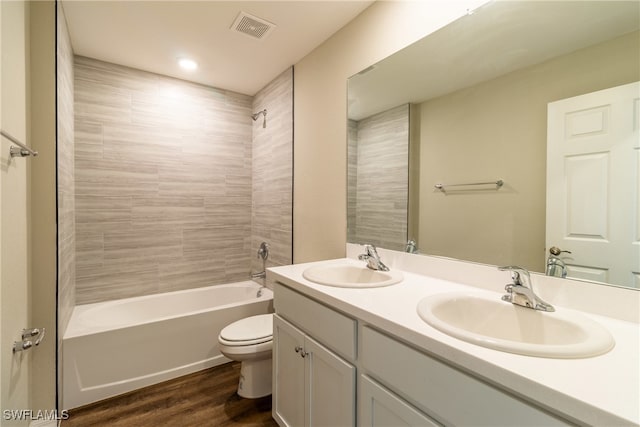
column 288, row 374
column 331, row 389
column 381, row 408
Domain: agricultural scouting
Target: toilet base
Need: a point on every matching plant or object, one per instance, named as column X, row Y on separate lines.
column 255, row 378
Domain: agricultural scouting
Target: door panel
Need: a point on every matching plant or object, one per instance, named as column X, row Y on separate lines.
column 331, row 387
column 593, row 158
column 288, row 374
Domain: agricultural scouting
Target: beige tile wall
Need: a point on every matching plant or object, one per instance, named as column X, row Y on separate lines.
column 272, row 178
column 65, row 172
column 379, row 147
column 352, row 179
column 164, row 182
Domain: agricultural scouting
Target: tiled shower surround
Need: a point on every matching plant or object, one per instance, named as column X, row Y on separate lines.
column 163, row 181
column 272, row 173
column 66, row 193
column 378, row 156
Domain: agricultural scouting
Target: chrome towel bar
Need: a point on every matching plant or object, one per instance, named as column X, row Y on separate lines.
column 20, row 151
column 499, row 183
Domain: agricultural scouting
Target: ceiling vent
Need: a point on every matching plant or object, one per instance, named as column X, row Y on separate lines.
column 252, row 26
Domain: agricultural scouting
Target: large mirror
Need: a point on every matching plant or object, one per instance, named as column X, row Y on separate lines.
column 448, row 139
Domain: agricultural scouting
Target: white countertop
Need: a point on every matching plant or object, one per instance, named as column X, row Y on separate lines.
column 601, row 391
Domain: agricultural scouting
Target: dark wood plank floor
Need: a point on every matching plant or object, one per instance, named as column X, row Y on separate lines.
column 205, row 398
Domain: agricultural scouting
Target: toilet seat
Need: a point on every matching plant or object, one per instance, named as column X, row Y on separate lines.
column 248, row 331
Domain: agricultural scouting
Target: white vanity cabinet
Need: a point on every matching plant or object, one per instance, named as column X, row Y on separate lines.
column 317, row 351
column 378, row 407
column 313, row 385
column 399, row 371
column 445, row 393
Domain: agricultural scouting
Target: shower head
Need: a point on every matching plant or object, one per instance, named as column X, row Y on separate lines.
column 264, row 117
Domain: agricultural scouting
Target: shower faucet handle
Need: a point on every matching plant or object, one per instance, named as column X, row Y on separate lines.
column 263, row 251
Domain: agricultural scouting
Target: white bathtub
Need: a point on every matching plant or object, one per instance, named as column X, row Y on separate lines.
column 117, row 346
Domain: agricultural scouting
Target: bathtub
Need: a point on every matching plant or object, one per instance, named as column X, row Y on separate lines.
column 117, row 346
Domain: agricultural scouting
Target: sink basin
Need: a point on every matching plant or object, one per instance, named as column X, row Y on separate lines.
column 351, row 276
column 490, row 322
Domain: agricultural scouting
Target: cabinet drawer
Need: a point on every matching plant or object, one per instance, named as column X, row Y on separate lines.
column 447, row 394
column 331, row 328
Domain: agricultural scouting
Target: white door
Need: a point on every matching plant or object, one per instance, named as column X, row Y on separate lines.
column 288, row 374
column 14, row 368
column 331, row 388
column 593, row 158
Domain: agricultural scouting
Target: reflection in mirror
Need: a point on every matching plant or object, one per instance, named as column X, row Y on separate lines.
column 478, row 92
column 378, row 156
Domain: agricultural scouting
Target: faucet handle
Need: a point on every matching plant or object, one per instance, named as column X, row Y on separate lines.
column 517, row 273
column 370, row 251
column 367, row 252
column 521, row 292
column 263, row 251
column 373, row 259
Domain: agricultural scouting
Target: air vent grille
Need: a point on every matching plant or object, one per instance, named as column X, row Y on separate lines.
column 252, row 26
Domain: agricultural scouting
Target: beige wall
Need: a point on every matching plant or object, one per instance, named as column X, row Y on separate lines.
column 43, row 201
column 14, row 277
column 27, row 233
column 28, row 203
column 497, row 130
column 320, row 136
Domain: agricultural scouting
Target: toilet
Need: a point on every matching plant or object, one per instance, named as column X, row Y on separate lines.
column 250, row 341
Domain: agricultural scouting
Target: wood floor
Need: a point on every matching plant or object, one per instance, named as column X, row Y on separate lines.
column 205, row 398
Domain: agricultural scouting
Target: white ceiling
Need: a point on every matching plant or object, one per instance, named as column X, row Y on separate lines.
column 153, row 35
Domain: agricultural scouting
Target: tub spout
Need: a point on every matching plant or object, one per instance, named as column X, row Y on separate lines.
column 260, row 275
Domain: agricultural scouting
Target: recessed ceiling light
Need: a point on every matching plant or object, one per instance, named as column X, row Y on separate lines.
column 188, row 64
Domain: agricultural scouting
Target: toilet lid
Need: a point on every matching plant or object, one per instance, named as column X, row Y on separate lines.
column 249, row 329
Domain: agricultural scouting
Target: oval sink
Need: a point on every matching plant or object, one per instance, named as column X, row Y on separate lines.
column 351, row 276
column 490, row 322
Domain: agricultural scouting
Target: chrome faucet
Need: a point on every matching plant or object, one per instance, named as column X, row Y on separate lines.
column 263, row 252
column 554, row 262
column 373, row 259
column 411, row 247
column 520, row 292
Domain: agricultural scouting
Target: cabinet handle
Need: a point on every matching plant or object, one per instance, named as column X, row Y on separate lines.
column 300, row 350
